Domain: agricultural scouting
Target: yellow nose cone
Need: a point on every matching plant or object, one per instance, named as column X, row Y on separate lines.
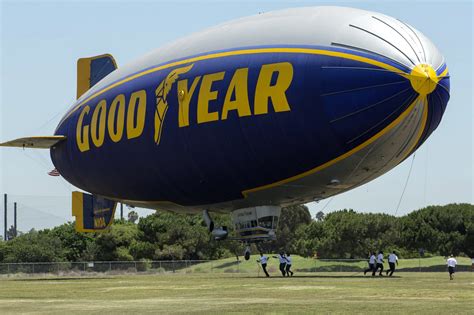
column 423, row 79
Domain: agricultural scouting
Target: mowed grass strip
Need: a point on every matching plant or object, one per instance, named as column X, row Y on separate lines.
column 427, row 293
column 229, row 265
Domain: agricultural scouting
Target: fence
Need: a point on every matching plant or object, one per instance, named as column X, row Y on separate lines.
column 206, row 266
column 102, row 266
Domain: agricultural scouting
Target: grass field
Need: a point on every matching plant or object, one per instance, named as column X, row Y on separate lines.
column 411, row 292
column 230, row 265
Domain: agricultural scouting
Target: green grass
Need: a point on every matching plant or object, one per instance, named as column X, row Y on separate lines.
column 428, row 293
column 230, row 265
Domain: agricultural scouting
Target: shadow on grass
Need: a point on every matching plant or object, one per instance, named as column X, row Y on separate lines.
column 61, row 279
column 327, row 276
column 227, row 264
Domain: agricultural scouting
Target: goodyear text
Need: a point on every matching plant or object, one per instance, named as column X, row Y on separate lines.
column 125, row 118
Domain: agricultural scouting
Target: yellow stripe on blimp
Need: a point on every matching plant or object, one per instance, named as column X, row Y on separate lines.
column 278, row 50
column 392, row 125
column 421, row 98
column 308, row 51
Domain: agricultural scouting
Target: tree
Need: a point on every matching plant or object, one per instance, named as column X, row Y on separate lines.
column 11, row 233
column 291, row 218
column 320, row 216
column 114, row 244
column 132, row 216
column 34, row 247
column 440, row 229
column 344, row 233
column 77, row 246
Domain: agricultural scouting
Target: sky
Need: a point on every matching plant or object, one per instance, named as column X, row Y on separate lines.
column 41, row 41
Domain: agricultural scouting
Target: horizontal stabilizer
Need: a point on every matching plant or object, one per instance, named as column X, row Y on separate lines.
column 93, row 213
column 34, row 142
column 91, row 70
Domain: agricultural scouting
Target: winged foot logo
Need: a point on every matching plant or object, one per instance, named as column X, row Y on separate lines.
column 161, row 93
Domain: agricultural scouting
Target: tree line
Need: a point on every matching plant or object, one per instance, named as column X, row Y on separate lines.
column 437, row 230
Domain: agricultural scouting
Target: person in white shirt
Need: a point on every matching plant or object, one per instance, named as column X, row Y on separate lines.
column 371, row 263
column 451, row 266
column 379, row 264
column 263, row 261
column 392, row 260
column 288, row 265
column 281, row 257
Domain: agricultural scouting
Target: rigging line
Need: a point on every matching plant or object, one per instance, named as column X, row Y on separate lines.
column 383, row 39
column 36, row 210
column 443, row 87
column 325, row 206
column 367, row 154
column 426, row 173
column 364, row 88
column 423, row 48
column 439, row 96
column 372, row 53
column 47, row 122
column 46, row 162
column 406, row 183
column 414, row 128
column 370, row 106
column 421, row 44
column 47, row 167
column 37, row 161
column 388, row 161
column 441, row 64
column 409, row 101
column 361, row 68
column 380, row 20
column 360, row 162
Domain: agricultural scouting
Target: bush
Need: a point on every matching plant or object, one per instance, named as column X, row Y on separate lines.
column 123, row 254
column 144, row 265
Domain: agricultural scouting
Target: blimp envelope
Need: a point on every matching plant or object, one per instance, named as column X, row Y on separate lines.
column 278, row 108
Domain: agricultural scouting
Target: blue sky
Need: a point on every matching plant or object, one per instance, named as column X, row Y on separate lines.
column 41, row 41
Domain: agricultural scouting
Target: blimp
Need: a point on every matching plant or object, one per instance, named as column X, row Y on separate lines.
column 271, row 110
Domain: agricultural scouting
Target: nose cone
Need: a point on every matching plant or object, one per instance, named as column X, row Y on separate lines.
column 413, row 54
column 423, row 79
column 433, row 88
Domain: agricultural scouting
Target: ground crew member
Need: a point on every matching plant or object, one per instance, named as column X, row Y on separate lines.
column 451, row 266
column 371, row 263
column 263, row 261
column 379, row 264
column 281, row 257
column 392, row 259
column 288, row 265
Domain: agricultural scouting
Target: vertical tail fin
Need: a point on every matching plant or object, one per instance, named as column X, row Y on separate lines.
column 93, row 213
column 91, row 70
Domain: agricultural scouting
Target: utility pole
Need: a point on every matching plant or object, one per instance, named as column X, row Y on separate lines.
column 121, row 211
column 15, row 233
column 5, row 217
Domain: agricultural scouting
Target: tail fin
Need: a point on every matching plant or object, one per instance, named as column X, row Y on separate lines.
column 45, row 142
column 91, row 70
column 93, row 213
